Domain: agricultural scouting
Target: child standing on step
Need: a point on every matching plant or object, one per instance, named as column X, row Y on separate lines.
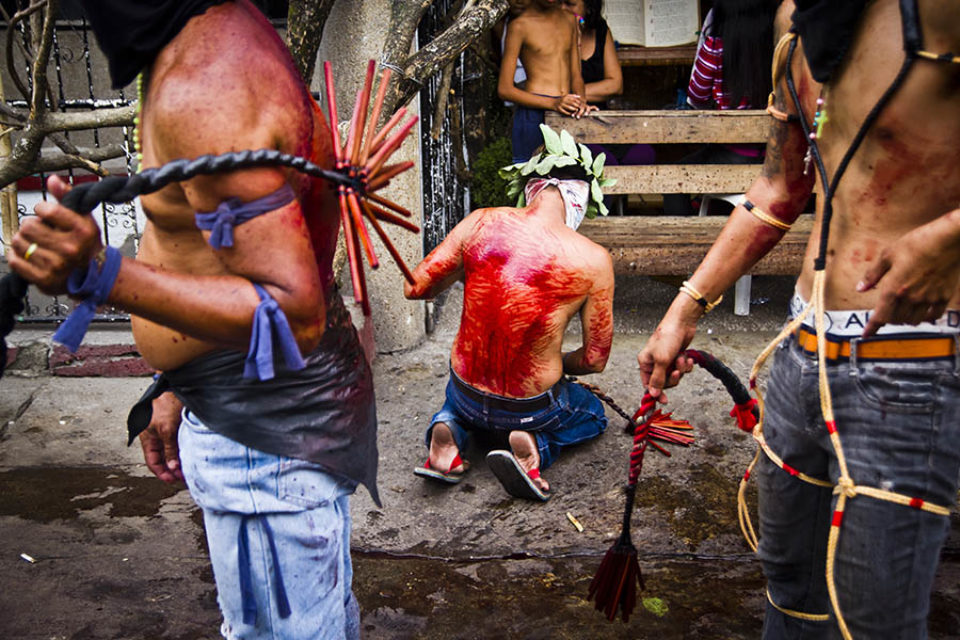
column 544, row 38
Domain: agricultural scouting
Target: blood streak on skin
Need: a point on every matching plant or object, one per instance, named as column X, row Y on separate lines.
column 763, row 240
column 898, row 161
column 516, row 289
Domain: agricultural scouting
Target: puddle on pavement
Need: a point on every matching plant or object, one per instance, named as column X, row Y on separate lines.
column 546, row 598
column 685, row 598
column 45, row 494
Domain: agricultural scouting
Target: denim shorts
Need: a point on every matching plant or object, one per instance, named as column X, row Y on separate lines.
column 278, row 530
column 573, row 416
column 899, row 425
column 526, row 135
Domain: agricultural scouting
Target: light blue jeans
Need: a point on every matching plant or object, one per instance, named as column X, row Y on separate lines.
column 899, row 424
column 279, row 536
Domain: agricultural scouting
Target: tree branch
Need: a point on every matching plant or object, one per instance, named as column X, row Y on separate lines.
column 12, row 23
column 88, row 159
column 41, row 59
column 442, row 50
column 96, row 119
column 305, row 22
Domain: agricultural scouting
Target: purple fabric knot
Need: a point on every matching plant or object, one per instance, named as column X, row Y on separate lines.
column 269, row 320
column 233, row 212
column 93, row 285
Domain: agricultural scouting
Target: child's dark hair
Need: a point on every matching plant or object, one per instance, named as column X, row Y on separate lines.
column 572, row 172
column 746, row 27
column 594, row 14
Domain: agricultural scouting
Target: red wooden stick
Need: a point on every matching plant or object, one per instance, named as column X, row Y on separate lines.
column 356, row 269
column 373, row 164
column 386, row 216
column 364, row 299
column 375, row 115
column 352, row 131
column 363, row 102
column 390, row 205
column 388, row 244
column 382, row 134
column 332, row 107
column 362, row 229
column 388, row 172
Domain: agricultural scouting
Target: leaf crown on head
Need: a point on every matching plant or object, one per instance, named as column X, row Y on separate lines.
column 560, row 151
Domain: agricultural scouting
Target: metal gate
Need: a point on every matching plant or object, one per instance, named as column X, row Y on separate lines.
column 78, row 81
column 442, row 143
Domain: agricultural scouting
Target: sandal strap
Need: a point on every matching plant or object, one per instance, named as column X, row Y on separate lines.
column 457, row 461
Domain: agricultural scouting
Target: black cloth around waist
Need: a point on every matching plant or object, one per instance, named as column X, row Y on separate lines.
column 324, row 413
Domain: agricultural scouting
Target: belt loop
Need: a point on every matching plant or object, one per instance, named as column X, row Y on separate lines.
column 854, row 343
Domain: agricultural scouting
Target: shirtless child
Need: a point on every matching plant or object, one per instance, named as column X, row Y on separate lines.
column 892, row 302
column 544, row 38
column 526, row 272
column 271, row 458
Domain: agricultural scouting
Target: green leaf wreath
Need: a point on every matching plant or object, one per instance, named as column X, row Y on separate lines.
column 559, row 151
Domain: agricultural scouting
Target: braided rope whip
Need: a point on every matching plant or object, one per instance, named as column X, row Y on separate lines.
column 614, row 586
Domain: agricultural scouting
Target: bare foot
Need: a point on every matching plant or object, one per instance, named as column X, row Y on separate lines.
column 524, row 448
column 443, row 449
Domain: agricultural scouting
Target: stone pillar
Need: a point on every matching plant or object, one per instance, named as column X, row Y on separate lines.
column 354, row 34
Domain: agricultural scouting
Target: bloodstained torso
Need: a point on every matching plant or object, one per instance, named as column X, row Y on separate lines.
column 522, row 287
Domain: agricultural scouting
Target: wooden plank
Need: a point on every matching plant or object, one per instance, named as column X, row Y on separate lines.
column 686, row 178
column 670, row 245
column 635, row 56
column 665, row 127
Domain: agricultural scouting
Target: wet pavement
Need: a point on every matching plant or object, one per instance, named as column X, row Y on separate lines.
column 118, row 554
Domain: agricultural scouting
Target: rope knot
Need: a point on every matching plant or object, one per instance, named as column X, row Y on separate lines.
column 846, row 486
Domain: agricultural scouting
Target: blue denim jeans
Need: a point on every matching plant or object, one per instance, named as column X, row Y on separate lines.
column 574, row 416
column 899, row 424
column 279, row 536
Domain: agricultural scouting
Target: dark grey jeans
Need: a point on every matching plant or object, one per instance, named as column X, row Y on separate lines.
column 899, row 424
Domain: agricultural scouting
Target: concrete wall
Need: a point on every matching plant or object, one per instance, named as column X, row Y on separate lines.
column 354, row 33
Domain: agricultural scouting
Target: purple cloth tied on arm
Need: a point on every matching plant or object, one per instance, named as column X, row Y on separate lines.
column 230, row 213
column 269, row 320
column 93, row 284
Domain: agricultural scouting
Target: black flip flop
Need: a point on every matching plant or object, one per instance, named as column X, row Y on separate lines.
column 426, row 471
column 514, row 479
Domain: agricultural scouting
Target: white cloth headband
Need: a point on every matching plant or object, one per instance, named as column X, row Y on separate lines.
column 574, row 194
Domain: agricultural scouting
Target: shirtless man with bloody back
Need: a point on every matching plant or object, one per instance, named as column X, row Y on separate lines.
column 526, row 273
column 890, row 437
column 270, row 448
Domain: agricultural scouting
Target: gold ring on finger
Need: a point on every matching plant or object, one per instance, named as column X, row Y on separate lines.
column 29, row 251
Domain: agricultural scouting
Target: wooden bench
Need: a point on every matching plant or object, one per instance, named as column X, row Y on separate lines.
column 668, row 245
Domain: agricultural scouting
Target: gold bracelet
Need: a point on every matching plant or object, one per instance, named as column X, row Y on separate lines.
column 688, row 289
column 765, row 217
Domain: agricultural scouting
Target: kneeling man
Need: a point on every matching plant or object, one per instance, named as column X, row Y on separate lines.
column 526, row 273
